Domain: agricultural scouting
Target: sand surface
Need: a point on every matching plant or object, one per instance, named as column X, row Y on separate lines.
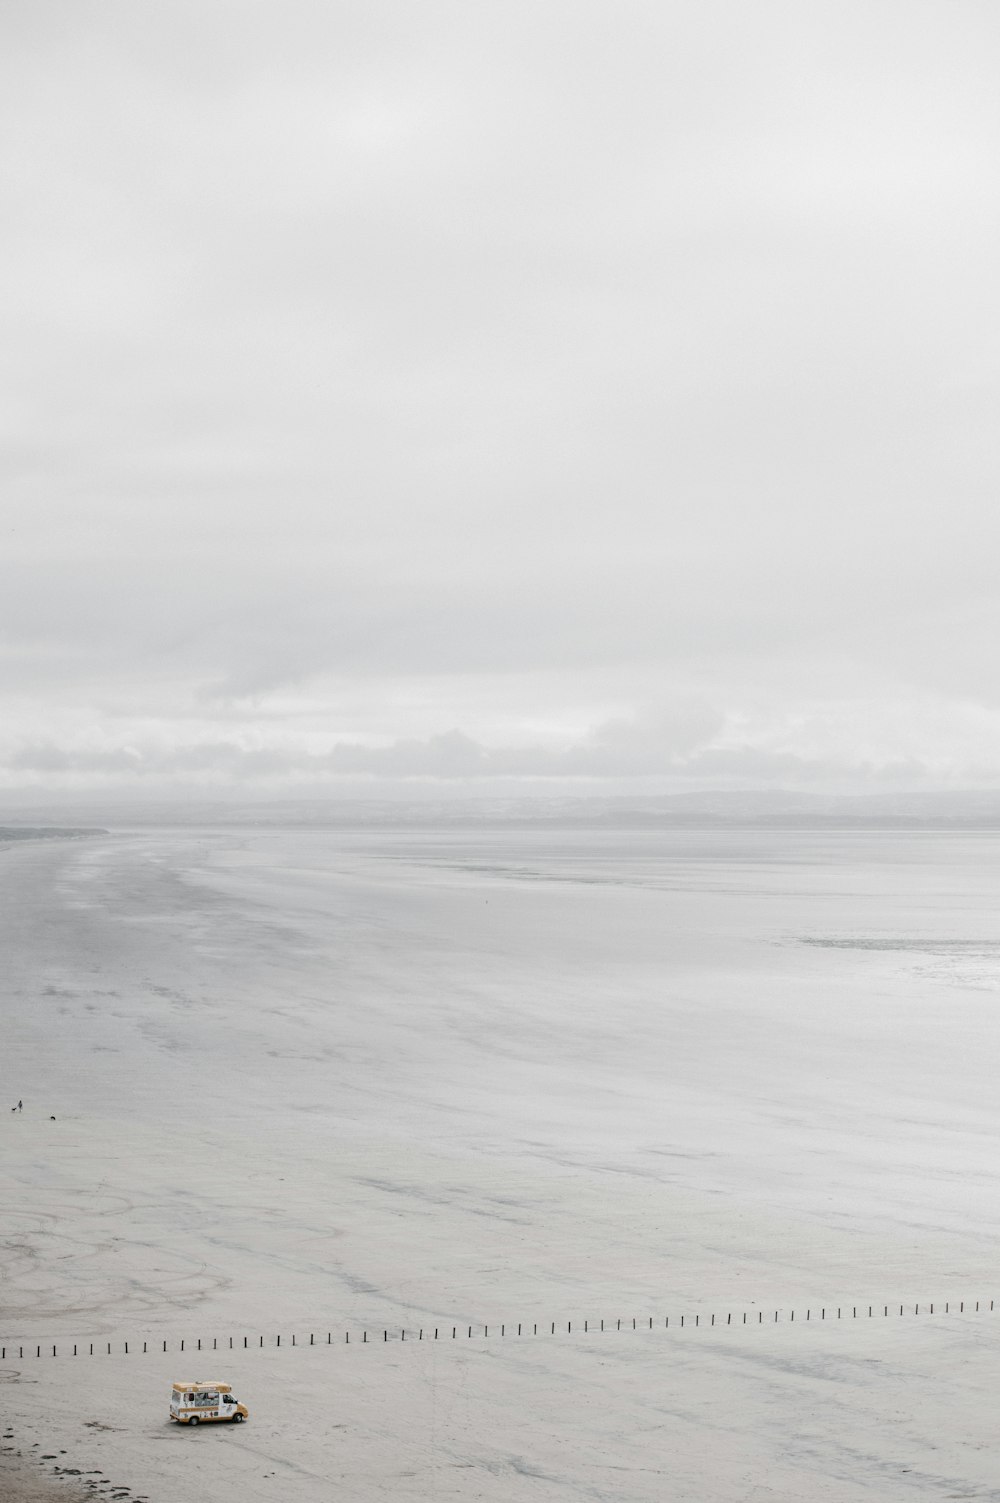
column 320, row 1082
column 25, row 1481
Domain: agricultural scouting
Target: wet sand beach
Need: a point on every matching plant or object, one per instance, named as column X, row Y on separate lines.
column 319, row 1082
column 24, row 1481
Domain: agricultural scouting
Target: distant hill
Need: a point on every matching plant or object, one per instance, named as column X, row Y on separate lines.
column 45, row 832
column 703, row 810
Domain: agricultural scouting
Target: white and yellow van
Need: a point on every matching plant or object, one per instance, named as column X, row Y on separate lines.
column 195, row 1403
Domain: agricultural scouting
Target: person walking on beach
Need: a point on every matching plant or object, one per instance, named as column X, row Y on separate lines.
column 20, row 1106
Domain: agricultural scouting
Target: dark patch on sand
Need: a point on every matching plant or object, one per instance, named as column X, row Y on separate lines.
column 25, row 1480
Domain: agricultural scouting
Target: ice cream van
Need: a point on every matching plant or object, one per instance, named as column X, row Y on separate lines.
column 198, row 1403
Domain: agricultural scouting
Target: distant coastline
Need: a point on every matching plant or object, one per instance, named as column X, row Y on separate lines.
column 705, row 810
column 46, row 832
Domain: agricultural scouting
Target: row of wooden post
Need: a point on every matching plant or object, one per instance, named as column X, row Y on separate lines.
column 420, row 1334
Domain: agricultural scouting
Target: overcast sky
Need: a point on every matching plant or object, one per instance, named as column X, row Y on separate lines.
column 573, row 394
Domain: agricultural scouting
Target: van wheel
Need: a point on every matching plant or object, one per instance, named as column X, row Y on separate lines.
column 193, row 1420
column 237, row 1419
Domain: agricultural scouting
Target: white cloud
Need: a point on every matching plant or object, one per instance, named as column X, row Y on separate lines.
column 403, row 360
column 688, row 745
